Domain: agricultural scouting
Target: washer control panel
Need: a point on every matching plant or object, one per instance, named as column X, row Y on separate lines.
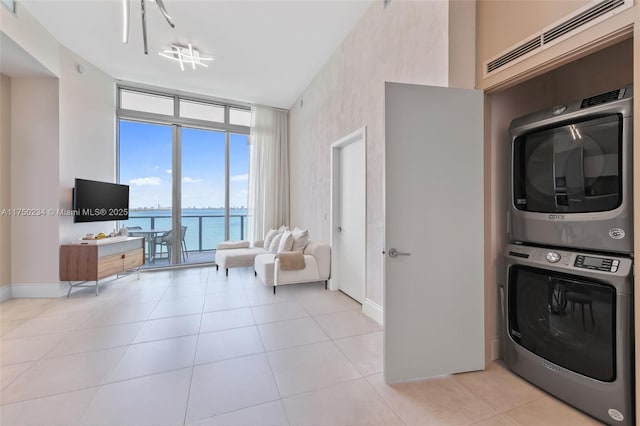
column 570, row 261
column 596, row 263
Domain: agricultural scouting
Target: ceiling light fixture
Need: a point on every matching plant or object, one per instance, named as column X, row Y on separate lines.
column 125, row 21
column 185, row 55
column 126, row 6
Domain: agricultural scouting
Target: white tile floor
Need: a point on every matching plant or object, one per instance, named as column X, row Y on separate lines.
column 192, row 347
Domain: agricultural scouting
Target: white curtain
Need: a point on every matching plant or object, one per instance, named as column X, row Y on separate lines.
column 268, row 171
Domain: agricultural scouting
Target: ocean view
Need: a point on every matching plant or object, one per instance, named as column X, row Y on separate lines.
column 214, row 172
column 205, row 227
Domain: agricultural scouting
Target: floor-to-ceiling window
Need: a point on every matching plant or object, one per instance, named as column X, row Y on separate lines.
column 186, row 161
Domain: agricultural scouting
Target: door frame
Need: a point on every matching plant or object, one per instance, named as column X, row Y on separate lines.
column 336, row 147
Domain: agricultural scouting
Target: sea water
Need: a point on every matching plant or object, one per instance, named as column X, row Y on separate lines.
column 205, row 227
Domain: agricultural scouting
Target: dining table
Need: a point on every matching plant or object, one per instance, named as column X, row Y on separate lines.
column 150, row 235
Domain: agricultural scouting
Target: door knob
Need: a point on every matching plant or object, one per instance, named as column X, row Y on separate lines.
column 339, row 228
column 395, row 253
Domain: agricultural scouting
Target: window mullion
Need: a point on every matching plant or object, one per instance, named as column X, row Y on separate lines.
column 176, row 210
column 227, row 180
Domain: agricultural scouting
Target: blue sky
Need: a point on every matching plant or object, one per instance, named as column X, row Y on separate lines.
column 145, row 165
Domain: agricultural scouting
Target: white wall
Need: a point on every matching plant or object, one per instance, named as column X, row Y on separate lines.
column 34, row 184
column 61, row 128
column 406, row 42
column 5, row 179
column 87, row 136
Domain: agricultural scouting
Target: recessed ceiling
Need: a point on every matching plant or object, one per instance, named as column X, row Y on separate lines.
column 266, row 52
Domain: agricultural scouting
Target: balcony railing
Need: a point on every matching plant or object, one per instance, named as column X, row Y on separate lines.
column 204, row 232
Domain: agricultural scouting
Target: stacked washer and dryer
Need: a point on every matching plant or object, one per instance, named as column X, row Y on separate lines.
column 568, row 298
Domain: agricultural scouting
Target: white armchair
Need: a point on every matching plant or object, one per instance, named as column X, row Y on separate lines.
column 317, row 260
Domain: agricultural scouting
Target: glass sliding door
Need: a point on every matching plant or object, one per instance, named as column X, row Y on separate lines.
column 203, row 185
column 238, row 185
column 186, row 160
column 145, row 153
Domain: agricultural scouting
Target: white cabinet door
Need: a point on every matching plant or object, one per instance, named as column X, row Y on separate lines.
column 434, row 204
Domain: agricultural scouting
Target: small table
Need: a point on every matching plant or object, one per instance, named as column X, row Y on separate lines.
column 150, row 235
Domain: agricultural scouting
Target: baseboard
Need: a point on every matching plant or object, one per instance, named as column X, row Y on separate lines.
column 331, row 285
column 5, row 293
column 373, row 311
column 39, row 290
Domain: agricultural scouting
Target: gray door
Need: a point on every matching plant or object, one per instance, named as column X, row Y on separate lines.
column 434, row 297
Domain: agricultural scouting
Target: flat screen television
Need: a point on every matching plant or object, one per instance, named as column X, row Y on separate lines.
column 95, row 201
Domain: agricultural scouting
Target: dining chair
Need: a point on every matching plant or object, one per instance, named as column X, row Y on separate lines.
column 185, row 252
column 166, row 240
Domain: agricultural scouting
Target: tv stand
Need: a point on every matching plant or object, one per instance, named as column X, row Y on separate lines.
column 93, row 262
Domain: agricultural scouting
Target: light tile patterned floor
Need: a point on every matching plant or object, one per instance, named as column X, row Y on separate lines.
column 193, row 347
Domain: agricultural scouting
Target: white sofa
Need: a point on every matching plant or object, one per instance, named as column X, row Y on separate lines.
column 317, row 259
column 228, row 256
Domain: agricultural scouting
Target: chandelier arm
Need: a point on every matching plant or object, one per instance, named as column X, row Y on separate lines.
column 163, row 10
column 144, row 28
column 125, row 20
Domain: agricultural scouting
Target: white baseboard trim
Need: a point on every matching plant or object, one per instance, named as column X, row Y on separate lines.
column 373, row 311
column 5, row 293
column 332, row 285
column 39, row 290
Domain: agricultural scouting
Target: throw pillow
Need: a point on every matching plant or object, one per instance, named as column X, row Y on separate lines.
column 275, row 243
column 269, row 237
column 229, row 245
column 300, row 239
column 286, row 242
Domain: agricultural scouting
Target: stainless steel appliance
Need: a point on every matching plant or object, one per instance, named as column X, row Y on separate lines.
column 568, row 327
column 571, row 175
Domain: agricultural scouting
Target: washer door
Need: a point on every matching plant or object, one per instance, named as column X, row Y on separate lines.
column 565, row 319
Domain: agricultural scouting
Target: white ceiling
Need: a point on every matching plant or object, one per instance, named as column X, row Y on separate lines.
column 266, row 52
